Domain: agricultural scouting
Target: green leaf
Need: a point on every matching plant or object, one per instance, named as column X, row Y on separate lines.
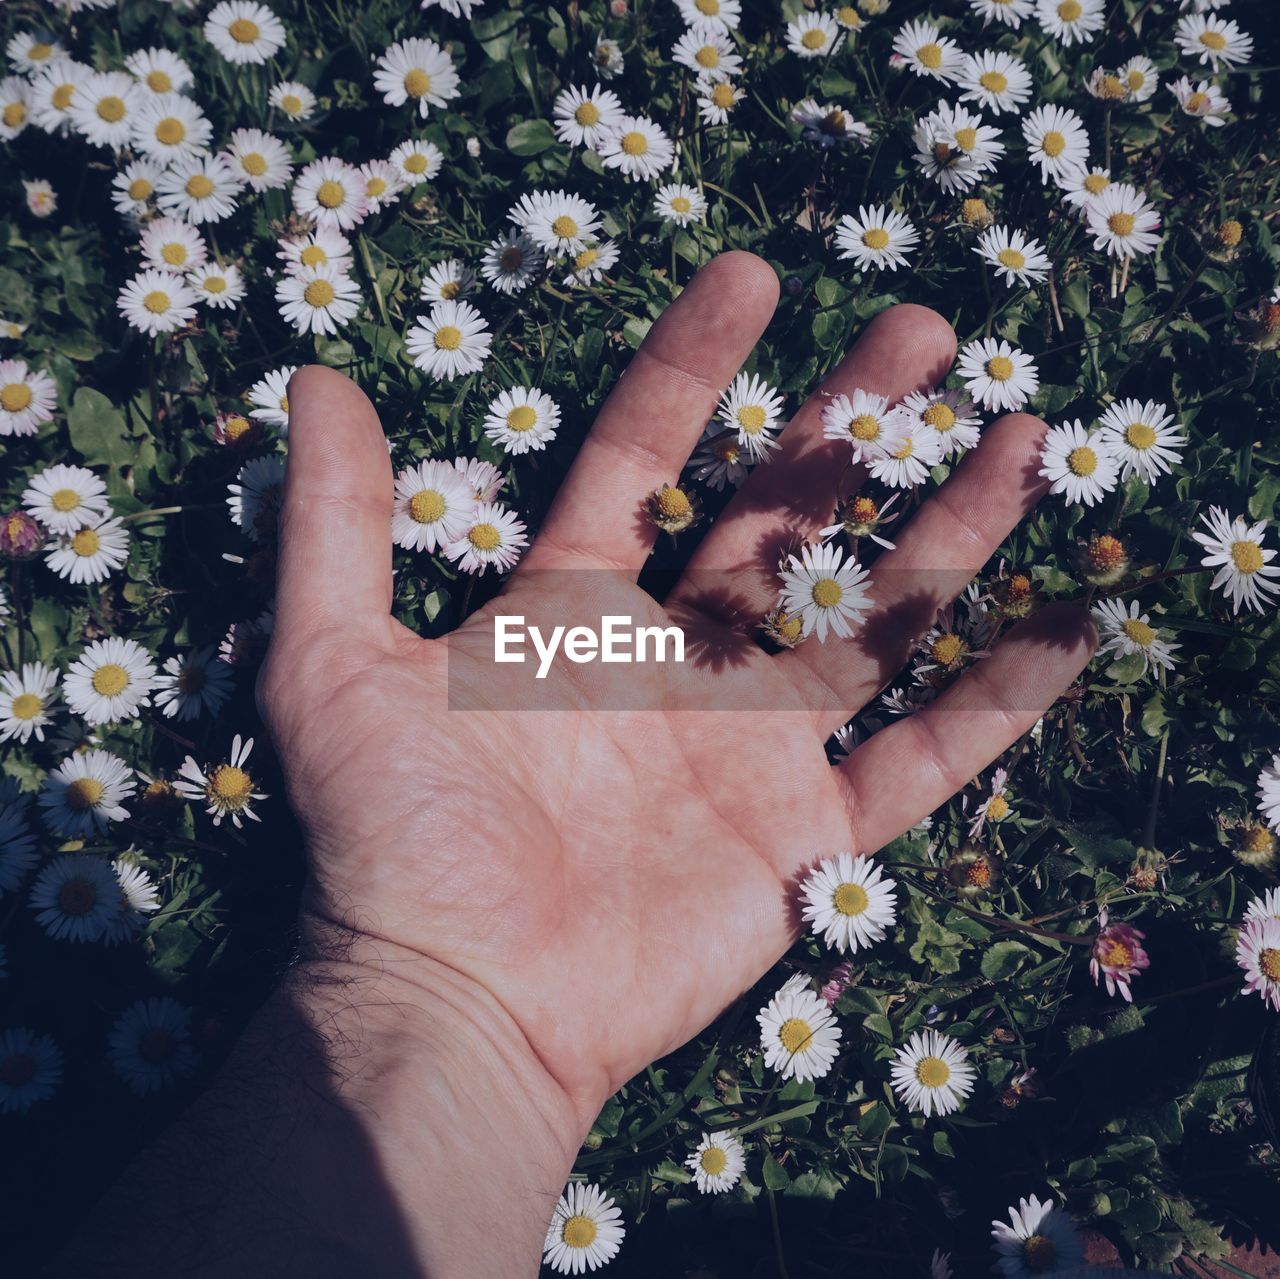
column 1003, row 959
column 97, row 429
column 775, row 1175
column 530, row 137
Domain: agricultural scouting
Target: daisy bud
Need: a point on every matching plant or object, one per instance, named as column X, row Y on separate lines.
column 1013, row 596
column 671, row 509
column 973, row 872
column 20, row 536
column 1144, row 874
column 1259, row 324
column 618, row 8
column 1229, row 233
column 1254, row 845
column 1103, row 560
column 975, row 213
column 782, row 629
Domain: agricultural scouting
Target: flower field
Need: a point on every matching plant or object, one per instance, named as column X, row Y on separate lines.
column 1050, row 1011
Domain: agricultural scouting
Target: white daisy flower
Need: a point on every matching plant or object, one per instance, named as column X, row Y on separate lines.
column 30, row 1069
column 638, row 148
column 510, row 262
column 318, row 300
column 825, row 591
column 814, row 35
column 607, row 58
column 64, row 497
column 908, row 451
column 218, row 286
column 1235, row 549
column 717, row 1162
column 680, row 203
column 159, row 71
column 826, row 125
column 455, row 8
column 753, row 409
column 227, row 789
column 382, row 184
column 522, row 419
column 157, row 302
column 716, row 99
column 169, row 127
column 849, row 902
column 928, row 53
column 1217, row 41
column 878, row 236
column 495, row 537
column 592, row 263
column 1071, row 21
column 860, row 419
column 724, row 13
column 1205, row 101
column 110, row 681
column 134, row 187
column 1140, row 78
column 1144, row 438
column 293, row 99
column 270, row 398
column 259, row 160
column 1126, row 632
column 332, row 194
column 1080, row 186
column 1258, row 954
column 173, row 246
column 139, row 898
column 254, row 499
column 556, row 221
column 995, row 79
column 1014, row 255
column 42, row 200
column 418, row 161
column 950, row 415
column 954, row 147
column 1079, row 464
column 200, row 188
column 52, row 91
column 452, row 340
column 798, row 1032
column 708, row 51
column 1056, row 140
column 82, row 795
column 149, row 1047
column 1040, row 1241
column 26, row 698
column 999, row 376
column 1265, row 907
column 28, row 398
column 193, row 683
column 585, row 1232
column 244, row 32
column 448, row 280
column 104, row 106
column 1122, row 220
column 15, row 106
column 719, row 459
column 320, row 248
column 1010, row 12
column 90, row 554
column 583, row 116
column 30, row 51
column 434, row 506
column 1268, row 794
column 483, row 478
column 931, row 1073
column 417, row 71
column 1107, row 87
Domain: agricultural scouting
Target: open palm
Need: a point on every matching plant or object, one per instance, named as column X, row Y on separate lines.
column 611, row 878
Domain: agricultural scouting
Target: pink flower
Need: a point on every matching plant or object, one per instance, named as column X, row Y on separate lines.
column 836, row 983
column 1258, row 953
column 20, row 535
column 1118, row 954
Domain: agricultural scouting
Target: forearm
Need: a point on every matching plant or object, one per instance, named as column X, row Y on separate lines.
column 363, row 1125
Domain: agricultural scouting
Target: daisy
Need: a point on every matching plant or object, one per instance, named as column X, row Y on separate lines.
column 510, row 263
column 848, row 903
column 254, row 500
column 708, row 51
column 723, row 13
column 522, row 419
column 171, row 245
column 25, row 701
column 257, row 159
column 994, row 79
column 860, row 419
column 90, row 554
column 1143, row 438
column 1056, row 140
column 483, row 478
column 1071, row 21
column 1269, row 793
column 1244, row 565
column 452, row 340
column 638, row 148
column 82, row 795
column 104, row 106
column 583, row 116
column 110, row 681
column 1214, row 40
column 752, row 408
column 931, row 1073
column 27, row 398
column 64, row 497
column 861, row 516
column 949, row 414
column 556, row 221
column 270, row 398
column 455, row 8
column 140, row 898
column 382, row 185
column 798, row 1032
column 448, row 280
column 585, row 1232
column 292, row 99
column 814, row 35
column 244, row 32
column 156, row 302
column 1128, row 632
column 907, row 452
column 318, row 300
column 134, row 187
column 434, row 507
column 159, row 71
column 994, row 808
column 1205, row 101
column 193, row 684
column 1139, row 76
column 592, row 263
column 1079, row 464
column 716, row 99
column 927, row 52
column 719, row 459
column 1010, row 12
column 227, row 788
column 607, row 58
column 1265, row 907
column 332, row 194
column 1080, row 186
column 1014, row 255
column 878, row 236
column 826, row 591
column 1040, row 1241
column 418, row 161
column 30, row 1069
column 495, row 537
column 169, row 127
column 954, row 147
column 200, row 189
column 1107, row 87
column 997, row 375
column 218, row 286
column 1122, row 221
column 52, row 92
column 825, row 126
column 1258, row 954
column 30, row 51
column 15, row 109
column 149, row 1047
column 717, row 1163
column 680, row 203
column 42, row 200
column 309, row 252
column 76, row 896
column 416, row 70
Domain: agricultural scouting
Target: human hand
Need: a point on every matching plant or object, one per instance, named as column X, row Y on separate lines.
column 572, row 893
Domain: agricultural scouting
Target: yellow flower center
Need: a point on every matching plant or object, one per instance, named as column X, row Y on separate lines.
column 564, row 227
column 725, row 450
column 826, row 592
column 1012, row 259
column 1269, row 963
column 713, row 1161
column 1213, row 40
column 243, row 31
column 794, row 1035
column 814, row 38
column 139, row 189
column 84, row 793
column 848, row 16
column 723, row 96
column 254, row 164
column 850, row 899
column 236, row 427
column 933, row 1072
column 77, row 897
column 947, row 649
column 966, row 139
column 1121, row 223
column 291, row 104
column 997, row 807
column 1040, row 1253
column 85, row 543
column 751, row 418
column 680, row 204
column 1000, row 367
column 866, row 426
column 1113, row 953
column 484, row 537
column 417, row 83
column 63, row 499
column 864, row 510
column 111, row 109
column 974, row 211
column 1053, row 143
column 174, row 253
column 15, row 397
column 313, row 255
column 319, row 293
column 450, row 290
column 1096, row 183
column 1246, row 556
column 1110, row 88
column 110, row 680
column 1070, row 10
column 159, row 82
column 578, row 1232
column 170, row 131
column 930, row 55
column 230, row 784
column 876, row 237
column 707, row 56
column 415, row 162
column 62, row 95
column 214, row 284
column 26, row 706
column 522, row 418
column 157, row 302
column 375, row 187
column 1229, row 233
column 1082, row 461
column 993, row 81
column 426, row 507
column 710, row 7
column 199, row 186
column 587, row 114
column 329, row 194
column 1139, row 435
column 673, row 503
column 939, row 416
column 585, row 259
column 39, row 51
column 448, row 338
column 634, row 143
column 1138, row 631
column 14, row 114
column 1197, row 102
column 904, row 451
column 1135, row 80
